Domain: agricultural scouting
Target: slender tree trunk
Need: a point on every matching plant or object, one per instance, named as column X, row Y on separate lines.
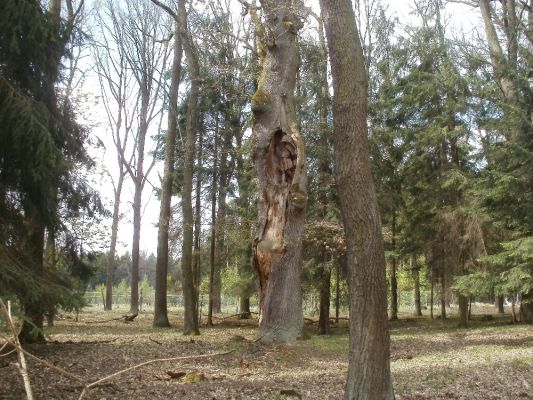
column 221, row 219
column 324, row 176
column 499, row 304
column 279, row 158
column 393, row 278
column 415, row 270
column 325, row 296
column 513, row 309
column 463, row 311
column 161, row 268
column 442, row 298
column 369, row 374
column 190, row 323
column 432, row 299
column 337, row 291
column 113, row 244
column 197, row 253
column 135, row 252
column 212, row 254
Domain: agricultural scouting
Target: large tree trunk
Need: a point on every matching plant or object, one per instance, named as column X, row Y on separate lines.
column 279, row 157
column 161, row 268
column 190, row 322
column 369, row 374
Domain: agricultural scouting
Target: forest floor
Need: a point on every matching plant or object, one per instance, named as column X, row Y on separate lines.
column 430, row 360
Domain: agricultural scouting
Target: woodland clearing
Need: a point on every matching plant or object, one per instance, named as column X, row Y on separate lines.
column 429, row 360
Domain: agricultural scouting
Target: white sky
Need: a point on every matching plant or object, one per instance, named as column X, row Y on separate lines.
column 459, row 16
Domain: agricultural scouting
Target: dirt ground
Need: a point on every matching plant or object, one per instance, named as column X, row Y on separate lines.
column 430, row 360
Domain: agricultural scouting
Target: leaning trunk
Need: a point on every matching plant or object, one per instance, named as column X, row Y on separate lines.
column 279, row 158
column 369, row 374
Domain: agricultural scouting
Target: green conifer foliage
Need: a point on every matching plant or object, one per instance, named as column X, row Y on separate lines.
column 40, row 146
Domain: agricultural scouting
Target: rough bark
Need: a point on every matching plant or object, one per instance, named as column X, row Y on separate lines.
column 369, row 374
column 190, row 322
column 279, row 158
column 161, row 268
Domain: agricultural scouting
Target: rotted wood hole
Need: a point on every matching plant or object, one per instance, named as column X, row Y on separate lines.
column 281, row 159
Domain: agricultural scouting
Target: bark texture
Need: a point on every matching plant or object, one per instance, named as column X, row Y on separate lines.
column 161, row 268
column 369, row 351
column 279, row 158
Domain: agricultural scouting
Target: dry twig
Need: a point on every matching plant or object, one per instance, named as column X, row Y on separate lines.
column 23, row 368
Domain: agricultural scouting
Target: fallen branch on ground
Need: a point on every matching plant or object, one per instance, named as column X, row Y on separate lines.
column 86, row 386
column 157, row 360
column 22, row 361
column 125, row 318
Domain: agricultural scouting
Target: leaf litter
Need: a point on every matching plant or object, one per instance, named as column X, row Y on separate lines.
column 429, row 360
